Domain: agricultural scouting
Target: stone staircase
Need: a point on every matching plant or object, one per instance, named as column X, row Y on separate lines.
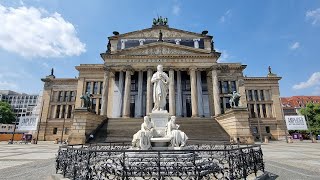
column 197, row 129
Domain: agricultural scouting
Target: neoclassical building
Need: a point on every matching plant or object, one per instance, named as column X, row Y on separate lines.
column 121, row 84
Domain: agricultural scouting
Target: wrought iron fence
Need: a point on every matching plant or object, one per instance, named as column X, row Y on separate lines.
column 118, row 161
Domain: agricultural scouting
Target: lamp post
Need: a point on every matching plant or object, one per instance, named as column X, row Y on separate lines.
column 15, row 124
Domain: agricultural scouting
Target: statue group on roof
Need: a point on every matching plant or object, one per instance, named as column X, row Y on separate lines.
column 160, row 21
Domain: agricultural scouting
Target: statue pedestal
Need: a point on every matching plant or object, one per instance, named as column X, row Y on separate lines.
column 235, row 122
column 160, row 120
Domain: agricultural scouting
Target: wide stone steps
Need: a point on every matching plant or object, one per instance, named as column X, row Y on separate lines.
column 197, row 129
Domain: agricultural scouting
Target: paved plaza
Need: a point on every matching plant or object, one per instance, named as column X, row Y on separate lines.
column 296, row 161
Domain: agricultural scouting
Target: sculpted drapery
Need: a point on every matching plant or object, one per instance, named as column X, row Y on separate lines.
column 160, row 82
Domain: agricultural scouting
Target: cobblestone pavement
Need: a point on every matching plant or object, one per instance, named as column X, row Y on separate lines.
column 296, row 161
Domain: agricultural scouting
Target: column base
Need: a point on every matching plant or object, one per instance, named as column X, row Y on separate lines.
column 194, row 116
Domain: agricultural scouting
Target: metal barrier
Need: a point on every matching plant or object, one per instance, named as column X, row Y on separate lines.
column 118, row 161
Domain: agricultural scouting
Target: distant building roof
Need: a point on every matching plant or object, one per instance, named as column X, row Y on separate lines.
column 299, row 101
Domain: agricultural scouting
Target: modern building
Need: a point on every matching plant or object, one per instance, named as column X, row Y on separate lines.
column 21, row 103
column 292, row 105
column 121, row 84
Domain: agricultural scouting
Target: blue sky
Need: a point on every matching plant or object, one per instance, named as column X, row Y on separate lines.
column 36, row 35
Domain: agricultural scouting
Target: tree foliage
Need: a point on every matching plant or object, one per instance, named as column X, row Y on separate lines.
column 6, row 114
column 312, row 111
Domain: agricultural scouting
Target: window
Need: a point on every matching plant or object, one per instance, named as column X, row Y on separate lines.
column 233, row 86
column 100, row 105
column 264, row 110
column 258, row 110
column 66, row 94
column 63, row 111
column 255, row 130
column 69, row 111
column 220, row 87
column 267, row 129
column 88, row 87
column 250, row 95
column 256, row 95
column 94, row 104
column 101, row 87
column 58, row 111
column 252, row 113
column 261, row 95
column 133, row 85
column 72, row 95
column 60, row 96
column 225, row 87
column 95, row 88
column 55, row 130
column 66, row 131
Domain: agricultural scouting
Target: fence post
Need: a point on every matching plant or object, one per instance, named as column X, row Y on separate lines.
column 123, row 165
column 159, row 166
column 88, row 166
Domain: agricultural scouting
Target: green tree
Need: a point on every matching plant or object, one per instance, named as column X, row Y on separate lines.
column 312, row 111
column 6, row 114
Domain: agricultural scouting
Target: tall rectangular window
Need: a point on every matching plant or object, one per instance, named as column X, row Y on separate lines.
column 95, row 88
column 258, row 110
column 220, row 87
column 58, row 111
column 250, row 95
column 69, row 111
column 261, row 95
column 233, row 86
column 66, row 94
column 60, row 96
column 63, row 112
column 252, row 113
column 267, row 129
column 264, row 110
column 256, row 97
column 88, row 87
column 72, row 94
column 55, row 130
column 101, row 87
column 94, row 104
column 100, row 100
column 225, row 87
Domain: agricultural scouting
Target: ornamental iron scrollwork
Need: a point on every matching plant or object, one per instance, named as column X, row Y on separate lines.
column 118, row 161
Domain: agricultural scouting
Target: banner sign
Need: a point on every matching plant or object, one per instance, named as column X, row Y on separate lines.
column 28, row 123
column 296, row 123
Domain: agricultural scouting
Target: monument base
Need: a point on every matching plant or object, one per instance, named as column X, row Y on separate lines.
column 236, row 124
column 160, row 120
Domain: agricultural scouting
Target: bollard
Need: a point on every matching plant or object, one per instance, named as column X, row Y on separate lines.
column 266, row 139
column 314, row 140
column 290, row 139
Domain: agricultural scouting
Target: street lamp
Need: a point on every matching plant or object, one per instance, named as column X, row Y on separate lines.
column 64, row 121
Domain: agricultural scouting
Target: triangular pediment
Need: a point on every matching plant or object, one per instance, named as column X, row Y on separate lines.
column 154, row 33
column 162, row 48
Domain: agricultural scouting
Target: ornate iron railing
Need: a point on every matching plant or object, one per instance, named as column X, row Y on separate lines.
column 118, row 161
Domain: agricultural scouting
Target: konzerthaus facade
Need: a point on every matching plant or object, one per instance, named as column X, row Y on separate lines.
column 121, row 86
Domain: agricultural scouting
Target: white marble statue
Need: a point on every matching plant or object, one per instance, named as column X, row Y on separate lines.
column 178, row 138
column 160, row 82
column 142, row 138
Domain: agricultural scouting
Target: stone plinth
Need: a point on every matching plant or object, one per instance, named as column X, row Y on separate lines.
column 84, row 122
column 236, row 124
column 160, row 120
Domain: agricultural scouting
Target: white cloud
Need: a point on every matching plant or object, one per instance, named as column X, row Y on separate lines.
column 295, row 45
column 176, row 9
column 8, row 85
column 226, row 15
column 314, row 16
column 32, row 32
column 314, row 80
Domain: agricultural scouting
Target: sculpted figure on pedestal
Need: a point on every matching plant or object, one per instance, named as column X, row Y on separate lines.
column 142, row 138
column 178, row 138
column 160, row 82
column 86, row 100
column 234, row 100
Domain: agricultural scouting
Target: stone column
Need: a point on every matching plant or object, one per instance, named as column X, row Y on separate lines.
column 104, row 104
column 172, row 100
column 126, row 96
column 209, row 84
column 121, row 81
column 261, row 111
column 215, row 88
column 149, row 92
column 199, row 90
column 139, row 105
column 194, row 95
column 179, row 94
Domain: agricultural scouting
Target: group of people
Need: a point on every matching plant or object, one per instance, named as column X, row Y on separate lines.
column 142, row 139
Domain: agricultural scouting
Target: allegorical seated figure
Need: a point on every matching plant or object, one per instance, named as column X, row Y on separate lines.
column 178, row 138
column 142, row 138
